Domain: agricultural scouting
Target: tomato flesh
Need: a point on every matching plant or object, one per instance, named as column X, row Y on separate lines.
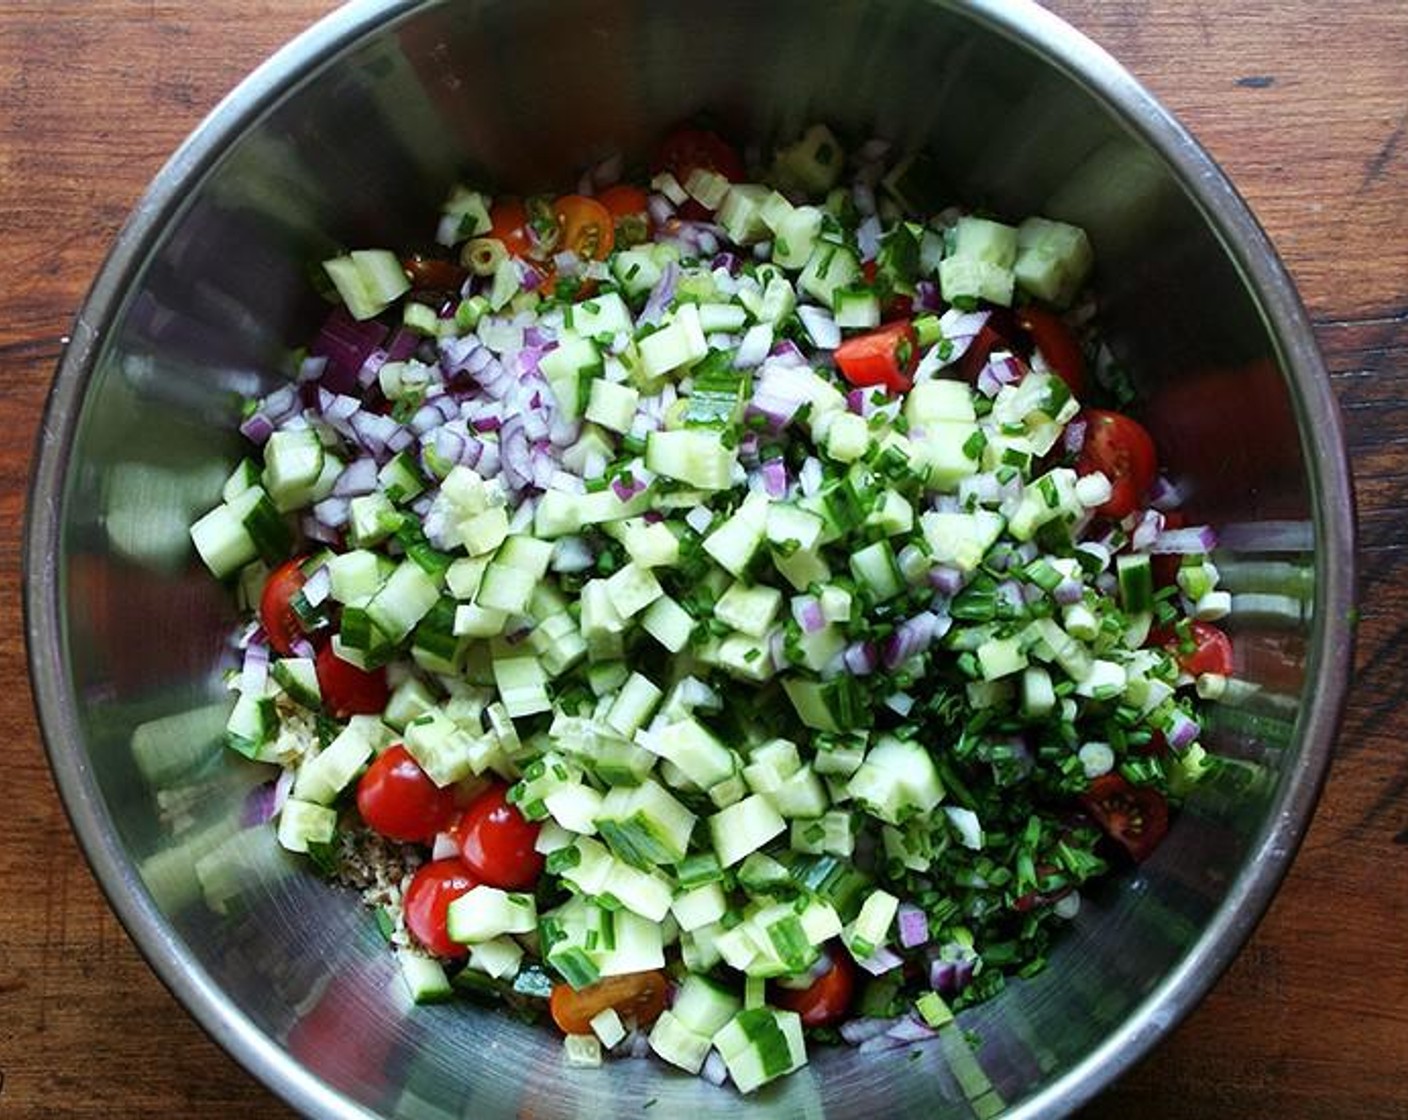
column 636, row 995
column 276, row 614
column 1134, row 816
column 1057, row 344
column 885, row 357
column 348, row 690
column 496, row 842
column 399, row 800
column 1210, row 652
column 630, row 213
column 1124, row 452
column 434, row 886
column 827, row 1000
column 508, row 222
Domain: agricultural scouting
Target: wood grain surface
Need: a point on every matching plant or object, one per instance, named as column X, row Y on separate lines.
column 1306, row 106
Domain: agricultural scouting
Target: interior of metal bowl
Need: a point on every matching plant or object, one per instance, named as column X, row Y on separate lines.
column 351, row 137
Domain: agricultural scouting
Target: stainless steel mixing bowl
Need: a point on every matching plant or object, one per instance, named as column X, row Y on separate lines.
column 351, row 136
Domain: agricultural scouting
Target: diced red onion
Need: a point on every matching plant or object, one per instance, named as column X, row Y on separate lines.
column 1189, row 541
column 1150, row 525
column 371, row 368
column 856, row 1031
column 255, row 671
column 1068, row 591
column 257, row 428
column 883, row 960
column 302, row 647
column 927, row 296
column 660, row 295
column 358, row 477
column 1182, row 731
column 1001, row 369
column 860, row 658
column 912, row 637
column 1009, row 592
column 714, row 1070
column 660, row 209
column 1073, row 438
column 774, row 473
column 911, row 1028
column 807, row 611
column 259, row 805
column 788, row 352
column 346, row 343
column 946, row 580
column 913, row 926
column 333, row 512
column 315, row 530
column 810, row 476
column 960, row 328
column 901, row 703
column 1164, row 494
column 868, row 235
column 640, row 1045
column 311, row 369
column 404, row 342
column 727, row 261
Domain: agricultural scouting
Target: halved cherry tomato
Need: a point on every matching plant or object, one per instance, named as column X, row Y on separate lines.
column 1057, row 343
column 630, row 214
column 508, row 222
column 827, row 1000
column 585, row 227
column 348, row 690
column 1211, row 650
column 1135, row 816
column 1124, row 451
column 434, row 886
column 276, row 613
column 496, row 842
column 637, row 995
column 998, row 332
column 398, row 799
column 687, row 149
column 886, row 357
column 437, row 274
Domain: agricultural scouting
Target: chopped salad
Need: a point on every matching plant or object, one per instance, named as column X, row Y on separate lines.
column 729, row 596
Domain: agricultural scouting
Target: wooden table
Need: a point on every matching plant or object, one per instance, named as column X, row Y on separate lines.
column 1306, row 106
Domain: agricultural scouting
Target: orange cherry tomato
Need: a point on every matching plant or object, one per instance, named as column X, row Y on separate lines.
column 585, row 226
column 1124, row 452
column 636, row 995
column 826, row 1001
column 276, row 614
column 1135, row 816
column 884, row 357
column 630, row 214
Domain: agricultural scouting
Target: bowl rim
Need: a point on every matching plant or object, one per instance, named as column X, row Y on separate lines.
column 1128, row 102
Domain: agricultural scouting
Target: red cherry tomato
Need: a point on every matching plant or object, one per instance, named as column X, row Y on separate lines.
column 998, row 332
column 1124, row 451
column 508, row 222
column 1135, row 816
column 688, row 149
column 276, row 613
column 884, row 357
column 496, row 842
column 348, row 690
column 434, row 886
column 1208, row 649
column 826, row 1001
column 398, row 799
column 1057, row 344
column 638, row 995
column 630, row 214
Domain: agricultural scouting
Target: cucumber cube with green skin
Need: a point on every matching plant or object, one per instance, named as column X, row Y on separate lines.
column 704, row 1006
column 937, row 401
column 522, row 685
column 795, row 231
column 368, row 280
column 734, row 543
column 646, row 894
column 694, row 456
column 678, row 344
column 632, row 589
column 749, row 609
column 1001, row 657
column 830, row 267
column 325, row 775
column 678, row 1044
column 439, row 746
column 293, row 462
column 605, row 314
column 1053, row 260
column 741, row 213
column 761, row 1044
column 668, row 623
column 406, row 597
column 302, row 823
column 645, row 825
column 791, row 527
column 424, row 976
column 648, row 545
column 639, row 946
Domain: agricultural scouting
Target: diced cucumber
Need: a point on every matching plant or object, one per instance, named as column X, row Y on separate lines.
column 325, row 775
column 678, row 1044
column 424, row 976
column 699, row 907
column 612, row 406
column 761, row 1044
column 482, row 913
column 743, row 828
column 404, row 599
column 741, row 212
column 689, row 745
column 634, row 705
column 897, row 780
column 829, row 268
column 871, row 928
column 302, row 823
column 368, row 280
column 678, row 344
column 645, row 825
column 439, row 746
column 692, row 455
column 522, row 685
column 1053, row 260
column 499, row 957
column 734, row 543
column 703, row 1005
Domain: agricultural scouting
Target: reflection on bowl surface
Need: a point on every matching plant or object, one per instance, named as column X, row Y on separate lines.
column 352, row 136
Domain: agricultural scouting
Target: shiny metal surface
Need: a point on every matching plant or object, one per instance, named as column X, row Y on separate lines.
column 350, row 136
